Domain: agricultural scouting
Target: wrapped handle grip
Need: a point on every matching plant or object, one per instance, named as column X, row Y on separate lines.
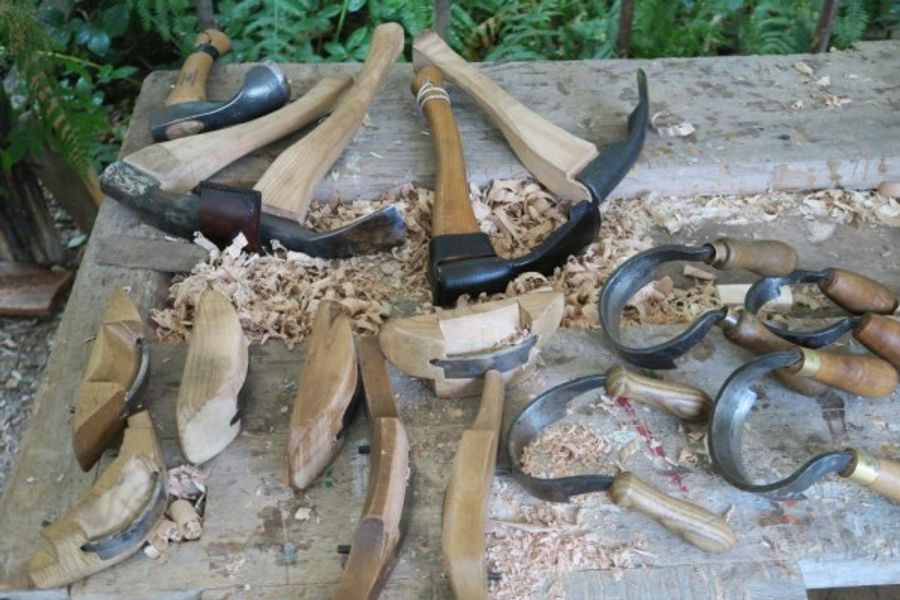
column 694, row 523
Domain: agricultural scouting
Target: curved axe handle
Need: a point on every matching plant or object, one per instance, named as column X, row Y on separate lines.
column 191, row 83
column 552, row 154
column 452, row 211
column 287, row 185
column 179, row 165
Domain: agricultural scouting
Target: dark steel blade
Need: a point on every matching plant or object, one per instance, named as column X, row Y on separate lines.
column 467, row 366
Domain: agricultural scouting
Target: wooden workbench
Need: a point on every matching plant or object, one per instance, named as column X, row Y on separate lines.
column 748, row 139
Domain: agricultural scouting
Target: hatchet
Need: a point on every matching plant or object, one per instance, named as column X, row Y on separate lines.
column 185, row 111
column 153, row 182
column 463, row 260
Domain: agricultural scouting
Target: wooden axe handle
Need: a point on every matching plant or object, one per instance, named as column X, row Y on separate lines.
column 552, row 154
column 691, row 521
column 191, row 83
column 179, row 165
column 452, row 211
column 287, row 185
column 857, row 293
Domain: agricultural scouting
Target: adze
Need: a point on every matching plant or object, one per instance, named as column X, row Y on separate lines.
column 463, row 260
column 148, row 180
column 185, row 111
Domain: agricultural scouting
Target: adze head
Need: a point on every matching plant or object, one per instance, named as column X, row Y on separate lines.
column 221, row 212
column 265, row 89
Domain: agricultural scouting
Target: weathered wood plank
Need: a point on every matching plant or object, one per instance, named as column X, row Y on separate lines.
column 161, row 255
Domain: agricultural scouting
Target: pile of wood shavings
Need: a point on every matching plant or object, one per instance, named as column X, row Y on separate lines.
column 276, row 295
column 564, row 448
column 533, row 546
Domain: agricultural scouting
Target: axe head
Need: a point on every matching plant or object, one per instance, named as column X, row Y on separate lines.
column 467, row 264
column 265, row 89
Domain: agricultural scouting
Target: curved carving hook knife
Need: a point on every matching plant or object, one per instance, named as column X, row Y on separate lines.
column 570, row 167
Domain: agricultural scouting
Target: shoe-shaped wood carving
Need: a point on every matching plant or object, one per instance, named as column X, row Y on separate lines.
column 326, row 396
column 377, row 539
column 115, row 371
column 112, row 522
column 214, row 372
column 454, row 348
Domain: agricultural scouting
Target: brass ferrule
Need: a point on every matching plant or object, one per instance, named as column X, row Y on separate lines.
column 720, row 253
column 864, row 468
column 812, row 363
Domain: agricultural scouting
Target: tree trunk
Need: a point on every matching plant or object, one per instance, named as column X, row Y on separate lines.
column 823, row 27
column 626, row 18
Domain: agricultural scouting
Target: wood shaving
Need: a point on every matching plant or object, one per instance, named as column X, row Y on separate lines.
column 804, row 68
column 833, row 101
column 562, row 448
column 276, row 295
column 667, row 124
column 186, row 481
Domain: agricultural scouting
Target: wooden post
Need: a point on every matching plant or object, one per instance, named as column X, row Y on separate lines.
column 442, row 17
column 205, row 14
column 626, row 18
column 823, row 27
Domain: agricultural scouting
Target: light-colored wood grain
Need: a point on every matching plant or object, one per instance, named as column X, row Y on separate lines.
column 733, row 294
column 111, row 370
column 680, row 399
column 686, row 519
column 287, row 186
column 551, row 153
column 867, row 376
column 214, row 372
column 375, row 544
column 467, row 495
column 452, row 211
column 327, row 383
column 412, row 343
column 191, row 83
column 179, row 165
column 120, row 495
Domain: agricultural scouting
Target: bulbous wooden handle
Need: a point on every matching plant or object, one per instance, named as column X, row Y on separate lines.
column 452, row 212
column 191, row 84
column 878, row 474
column 881, row 335
column 766, row 258
column 682, row 400
column 862, row 375
column 694, row 523
column 857, row 293
column 745, row 330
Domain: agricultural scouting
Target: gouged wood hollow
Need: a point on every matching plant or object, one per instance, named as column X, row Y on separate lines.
column 112, row 369
column 214, row 372
column 413, row 343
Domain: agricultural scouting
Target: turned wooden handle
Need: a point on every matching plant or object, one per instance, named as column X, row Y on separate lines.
column 452, row 211
column 745, row 330
column 191, row 84
column 682, row 400
column 857, row 293
column 552, row 154
column 179, row 165
column 862, row 375
column 881, row 475
column 287, row 185
column 766, row 258
column 881, row 335
column 694, row 523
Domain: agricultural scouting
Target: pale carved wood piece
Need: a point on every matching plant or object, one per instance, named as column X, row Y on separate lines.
column 467, row 495
column 325, row 390
column 214, row 372
column 412, row 343
column 113, row 365
column 120, row 496
column 377, row 539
